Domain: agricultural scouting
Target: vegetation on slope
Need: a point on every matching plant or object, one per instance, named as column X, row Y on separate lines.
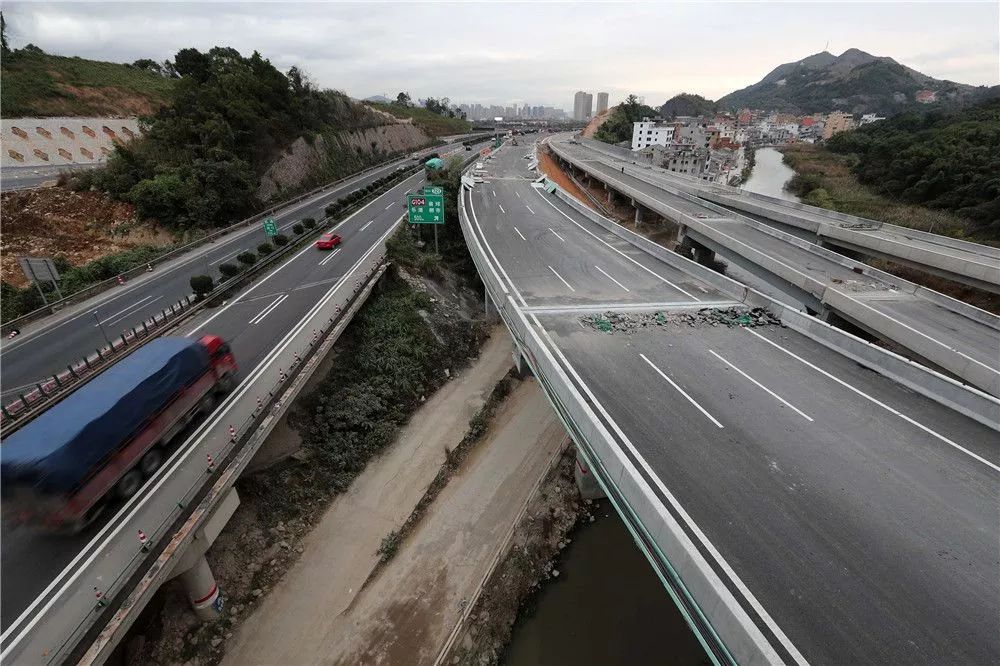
column 945, row 161
column 686, row 104
column 434, row 123
column 198, row 161
column 37, row 84
column 618, row 127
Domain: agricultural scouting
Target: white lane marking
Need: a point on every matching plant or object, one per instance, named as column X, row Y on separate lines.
column 494, row 192
column 266, row 311
column 529, row 209
column 317, row 284
column 557, row 235
column 390, row 205
column 612, row 279
column 769, row 391
column 561, row 278
column 709, row 546
column 332, row 255
column 878, row 402
column 520, row 234
column 228, row 256
column 366, row 226
column 499, row 266
column 682, row 392
column 517, row 193
column 651, row 272
column 135, row 305
column 501, row 208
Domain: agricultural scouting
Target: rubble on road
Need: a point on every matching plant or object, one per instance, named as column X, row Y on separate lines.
column 633, row 322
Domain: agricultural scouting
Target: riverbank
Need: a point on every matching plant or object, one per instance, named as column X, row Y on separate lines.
column 769, row 175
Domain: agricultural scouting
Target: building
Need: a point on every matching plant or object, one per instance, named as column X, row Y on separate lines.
column 602, row 102
column 837, row 122
column 869, row 118
column 583, row 106
column 647, row 133
column 925, row 96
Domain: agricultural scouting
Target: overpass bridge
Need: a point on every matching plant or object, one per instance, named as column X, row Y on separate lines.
column 961, row 261
column 947, row 333
column 802, row 494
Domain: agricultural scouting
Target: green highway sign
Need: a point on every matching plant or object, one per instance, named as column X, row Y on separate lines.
column 270, row 227
column 425, row 208
column 434, row 191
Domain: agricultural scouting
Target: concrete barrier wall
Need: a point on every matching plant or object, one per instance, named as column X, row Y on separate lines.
column 62, row 141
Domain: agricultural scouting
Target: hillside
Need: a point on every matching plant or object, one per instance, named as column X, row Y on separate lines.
column 686, row 104
column 854, row 81
column 432, row 123
column 617, row 127
column 37, row 84
column 945, row 161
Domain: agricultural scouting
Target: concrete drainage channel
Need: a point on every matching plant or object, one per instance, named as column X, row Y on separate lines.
column 125, row 572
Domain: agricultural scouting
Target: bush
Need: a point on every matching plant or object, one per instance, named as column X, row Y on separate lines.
column 309, row 223
column 280, row 240
column 332, row 209
column 248, row 258
column 298, row 229
column 201, row 285
column 229, row 270
column 265, row 249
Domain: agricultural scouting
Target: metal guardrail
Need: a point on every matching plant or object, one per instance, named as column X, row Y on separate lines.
column 94, row 289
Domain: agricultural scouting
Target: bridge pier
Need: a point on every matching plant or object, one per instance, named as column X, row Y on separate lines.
column 520, row 363
column 585, row 479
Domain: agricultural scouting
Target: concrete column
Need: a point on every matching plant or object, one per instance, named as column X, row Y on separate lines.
column 703, row 255
column 639, row 216
column 203, row 591
column 585, row 481
column 521, row 364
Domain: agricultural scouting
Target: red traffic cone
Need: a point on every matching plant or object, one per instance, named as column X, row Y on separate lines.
column 121, row 280
column 100, row 596
column 143, row 541
column 232, row 433
column 211, row 463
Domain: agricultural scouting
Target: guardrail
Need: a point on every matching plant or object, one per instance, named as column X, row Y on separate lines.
column 108, row 565
column 94, row 289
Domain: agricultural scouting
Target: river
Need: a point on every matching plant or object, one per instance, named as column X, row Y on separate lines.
column 770, row 175
column 606, row 607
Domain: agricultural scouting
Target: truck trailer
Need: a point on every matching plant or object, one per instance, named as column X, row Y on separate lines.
column 104, row 440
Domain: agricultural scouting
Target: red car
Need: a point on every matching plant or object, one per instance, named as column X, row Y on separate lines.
column 328, row 241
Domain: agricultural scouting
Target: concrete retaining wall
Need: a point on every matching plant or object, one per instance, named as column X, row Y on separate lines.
column 62, row 141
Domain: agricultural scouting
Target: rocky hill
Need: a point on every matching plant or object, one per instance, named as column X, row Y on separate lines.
column 854, row 81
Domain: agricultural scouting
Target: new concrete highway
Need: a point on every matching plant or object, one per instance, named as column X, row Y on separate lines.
column 253, row 323
column 952, row 335
column 853, row 520
column 47, row 347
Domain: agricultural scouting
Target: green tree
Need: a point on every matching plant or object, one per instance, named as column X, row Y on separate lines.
column 4, row 48
column 403, row 99
column 201, row 285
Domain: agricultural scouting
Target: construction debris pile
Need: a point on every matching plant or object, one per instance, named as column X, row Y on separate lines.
column 632, row 322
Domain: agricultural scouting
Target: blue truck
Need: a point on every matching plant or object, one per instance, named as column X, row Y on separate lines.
column 106, row 438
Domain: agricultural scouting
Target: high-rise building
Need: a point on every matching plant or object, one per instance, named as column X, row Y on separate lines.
column 583, row 105
column 602, row 102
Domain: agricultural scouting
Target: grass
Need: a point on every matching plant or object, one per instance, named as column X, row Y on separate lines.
column 37, row 84
column 824, row 179
column 431, row 123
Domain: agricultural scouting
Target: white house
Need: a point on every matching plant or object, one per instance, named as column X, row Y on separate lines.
column 650, row 133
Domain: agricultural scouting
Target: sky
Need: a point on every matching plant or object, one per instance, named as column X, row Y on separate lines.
column 526, row 52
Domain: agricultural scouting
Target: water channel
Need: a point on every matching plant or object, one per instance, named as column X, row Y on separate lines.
column 770, row 175
column 606, row 607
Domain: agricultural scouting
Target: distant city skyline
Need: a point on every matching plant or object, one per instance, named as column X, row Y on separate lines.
column 536, row 59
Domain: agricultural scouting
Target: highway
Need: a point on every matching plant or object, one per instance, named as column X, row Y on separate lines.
column 853, row 520
column 65, row 338
column 254, row 323
column 953, row 335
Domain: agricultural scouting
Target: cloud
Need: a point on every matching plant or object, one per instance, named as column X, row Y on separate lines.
column 534, row 53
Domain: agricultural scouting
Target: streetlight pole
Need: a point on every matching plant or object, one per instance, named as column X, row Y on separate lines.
column 101, row 326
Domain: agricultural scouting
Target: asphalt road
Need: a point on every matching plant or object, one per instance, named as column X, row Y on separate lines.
column 253, row 323
column 26, row 177
column 969, row 337
column 39, row 353
column 861, row 516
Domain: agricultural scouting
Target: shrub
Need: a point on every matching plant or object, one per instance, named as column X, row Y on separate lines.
column 201, row 285
column 264, row 249
column 298, row 229
column 248, row 258
column 332, row 209
column 229, row 270
column 280, row 240
column 309, row 223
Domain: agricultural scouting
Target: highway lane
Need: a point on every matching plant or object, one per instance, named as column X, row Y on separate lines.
column 27, row 177
column 858, row 514
column 26, row 360
column 947, row 329
column 254, row 322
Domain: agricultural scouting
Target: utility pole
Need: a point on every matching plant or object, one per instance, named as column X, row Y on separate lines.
column 101, row 326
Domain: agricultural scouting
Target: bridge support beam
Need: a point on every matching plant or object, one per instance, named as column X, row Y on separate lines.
column 520, row 363
column 203, row 591
column 585, row 480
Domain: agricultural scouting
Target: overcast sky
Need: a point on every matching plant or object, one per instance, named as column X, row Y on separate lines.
column 527, row 52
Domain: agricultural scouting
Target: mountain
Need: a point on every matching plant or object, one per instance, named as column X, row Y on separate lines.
column 854, row 81
column 686, row 104
column 378, row 98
